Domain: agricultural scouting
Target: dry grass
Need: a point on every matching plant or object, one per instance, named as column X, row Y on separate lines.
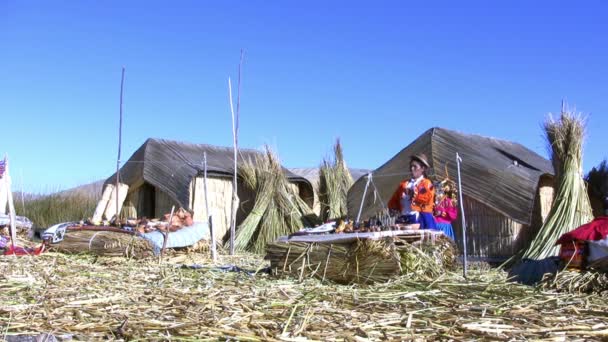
column 90, row 298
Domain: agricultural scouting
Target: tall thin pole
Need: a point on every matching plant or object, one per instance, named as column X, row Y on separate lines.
column 369, row 179
column 234, row 179
column 235, row 132
column 122, row 82
column 11, row 205
column 209, row 218
column 463, row 220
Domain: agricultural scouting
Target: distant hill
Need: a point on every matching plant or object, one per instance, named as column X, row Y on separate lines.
column 91, row 190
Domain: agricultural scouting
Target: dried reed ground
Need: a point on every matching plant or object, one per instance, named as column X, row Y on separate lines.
column 91, row 297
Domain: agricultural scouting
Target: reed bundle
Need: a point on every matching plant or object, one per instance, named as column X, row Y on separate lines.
column 428, row 258
column 363, row 261
column 104, row 243
column 277, row 211
column 571, row 207
column 334, row 182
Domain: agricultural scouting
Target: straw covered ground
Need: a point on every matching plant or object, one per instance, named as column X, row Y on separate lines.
column 95, row 298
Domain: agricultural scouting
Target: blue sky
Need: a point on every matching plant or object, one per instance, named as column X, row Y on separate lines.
column 375, row 74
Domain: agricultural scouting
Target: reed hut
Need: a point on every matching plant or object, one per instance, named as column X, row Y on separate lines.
column 164, row 173
column 507, row 189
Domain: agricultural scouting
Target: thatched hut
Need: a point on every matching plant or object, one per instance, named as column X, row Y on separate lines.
column 312, row 175
column 507, row 189
column 164, row 173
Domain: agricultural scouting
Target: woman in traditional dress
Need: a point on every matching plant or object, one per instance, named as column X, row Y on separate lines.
column 445, row 207
column 414, row 198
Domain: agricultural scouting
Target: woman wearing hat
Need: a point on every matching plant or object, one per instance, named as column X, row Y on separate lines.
column 414, row 198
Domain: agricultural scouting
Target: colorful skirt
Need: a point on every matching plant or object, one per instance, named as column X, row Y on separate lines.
column 447, row 229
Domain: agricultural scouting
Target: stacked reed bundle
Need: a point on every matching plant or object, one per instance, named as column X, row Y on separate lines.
column 277, row 211
column 334, row 181
column 104, row 243
column 428, row 258
column 363, row 261
column 571, row 207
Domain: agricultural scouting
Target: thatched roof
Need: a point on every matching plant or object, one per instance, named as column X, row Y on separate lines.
column 501, row 174
column 171, row 165
column 312, row 174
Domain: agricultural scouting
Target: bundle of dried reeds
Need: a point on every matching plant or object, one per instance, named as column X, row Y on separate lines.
column 334, row 181
column 104, row 243
column 365, row 261
column 277, row 211
column 571, row 207
column 428, row 258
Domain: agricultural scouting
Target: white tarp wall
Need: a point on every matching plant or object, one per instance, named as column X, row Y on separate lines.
column 3, row 196
column 103, row 203
column 111, row 206
column 7, row 196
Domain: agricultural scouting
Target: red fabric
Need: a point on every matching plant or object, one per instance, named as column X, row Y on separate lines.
column 593, row 231
column 24, row 251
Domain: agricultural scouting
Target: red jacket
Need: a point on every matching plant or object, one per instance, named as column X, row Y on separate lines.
column 422, row 200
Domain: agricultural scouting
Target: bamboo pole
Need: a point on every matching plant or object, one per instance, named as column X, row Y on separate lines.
column 209, row 218
column 234, row 179
column 122, row 81
column 11, row 205
column 464, row 223
column 369, row 179
column 166, row 233
column 235, row 140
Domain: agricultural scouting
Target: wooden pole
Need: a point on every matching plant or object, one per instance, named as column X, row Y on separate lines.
column 209, row 218
column 464, row 222
column 166, row 233
column 11, row 205
column 234, row 179
column 122, row 82
column 235, row 132
column 369, row 179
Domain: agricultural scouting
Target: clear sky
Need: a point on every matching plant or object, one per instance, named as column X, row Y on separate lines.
column 376, row 74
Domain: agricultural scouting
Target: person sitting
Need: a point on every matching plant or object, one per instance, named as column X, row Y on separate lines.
column 445, row 207
column 414, row 198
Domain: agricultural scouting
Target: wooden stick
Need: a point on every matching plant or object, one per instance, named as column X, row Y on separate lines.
column 235, row 132
column 166, row 234
column 464, row 222
column 11, row 205
column 209, row 218
column 122, row 81
column 234, row 179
